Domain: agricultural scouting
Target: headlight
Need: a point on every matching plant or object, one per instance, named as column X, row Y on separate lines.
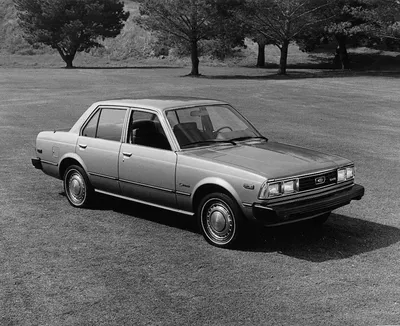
column 345, row 174
column 274, row 189
column 350, row 172
column 290, row 186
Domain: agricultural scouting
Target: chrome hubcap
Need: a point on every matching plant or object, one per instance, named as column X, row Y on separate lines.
column 76, row 187
column 218, row 221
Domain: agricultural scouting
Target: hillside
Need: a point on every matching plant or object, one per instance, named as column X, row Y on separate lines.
column 135, row 44
column 11, row 40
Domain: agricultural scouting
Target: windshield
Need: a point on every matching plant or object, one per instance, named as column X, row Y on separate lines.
column 205, row 125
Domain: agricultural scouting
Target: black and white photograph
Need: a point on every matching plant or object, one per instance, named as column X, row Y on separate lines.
column 199, row 162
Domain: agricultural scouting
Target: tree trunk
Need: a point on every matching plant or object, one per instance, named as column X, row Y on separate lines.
column 283, row 59
column 68, row 58
column 342, row 56
column 195, row 59
column 261, row 54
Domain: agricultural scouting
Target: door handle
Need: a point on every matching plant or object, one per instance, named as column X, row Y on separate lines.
column 127, row 154
column 82, row 146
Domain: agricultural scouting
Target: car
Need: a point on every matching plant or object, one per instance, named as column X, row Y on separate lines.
column 198, row 157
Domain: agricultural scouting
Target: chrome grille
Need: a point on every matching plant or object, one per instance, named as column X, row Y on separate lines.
column 317, row 181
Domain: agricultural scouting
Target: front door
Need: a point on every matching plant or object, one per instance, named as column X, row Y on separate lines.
column 146, row 161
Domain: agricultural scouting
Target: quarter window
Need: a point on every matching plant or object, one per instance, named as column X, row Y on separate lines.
column 91, row 127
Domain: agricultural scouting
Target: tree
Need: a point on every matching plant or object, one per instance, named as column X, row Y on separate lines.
column 280, row 21
column 70, row 26
column 188, row 21
column 355, row 21
column 262, row 42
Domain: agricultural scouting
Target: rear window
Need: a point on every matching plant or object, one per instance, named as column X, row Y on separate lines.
column 106, row 124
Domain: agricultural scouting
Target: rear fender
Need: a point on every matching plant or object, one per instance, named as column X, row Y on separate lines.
column 64, row 163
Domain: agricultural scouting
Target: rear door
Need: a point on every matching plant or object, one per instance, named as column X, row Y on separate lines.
column 99, row 144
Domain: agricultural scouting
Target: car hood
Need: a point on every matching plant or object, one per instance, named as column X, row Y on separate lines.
column 271, row 159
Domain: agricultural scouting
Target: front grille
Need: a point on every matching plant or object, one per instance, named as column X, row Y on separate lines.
column 317, row 181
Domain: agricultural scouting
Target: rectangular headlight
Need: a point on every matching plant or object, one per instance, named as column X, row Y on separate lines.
column 341, row 175
column 290, row 186
column 345, row 174
column 349, row 172
column 274, row 189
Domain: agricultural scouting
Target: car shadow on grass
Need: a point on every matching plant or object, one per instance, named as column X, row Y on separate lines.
column 145, row 212
column 340, row 237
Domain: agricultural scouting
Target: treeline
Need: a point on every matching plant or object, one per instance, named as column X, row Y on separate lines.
column 71, row 26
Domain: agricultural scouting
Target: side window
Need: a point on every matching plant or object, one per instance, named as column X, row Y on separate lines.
column 110, row 124
column 106, row 124
column 145, row 129
column 91, row 127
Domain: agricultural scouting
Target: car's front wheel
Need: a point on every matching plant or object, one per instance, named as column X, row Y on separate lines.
column 220, row 220
column 77, row 186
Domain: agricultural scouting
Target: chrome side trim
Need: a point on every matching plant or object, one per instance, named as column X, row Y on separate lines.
column 146, row 203
column 147, row 185
column 48, row 162
column 102, row 176
column 247, row 205
column 183, row 193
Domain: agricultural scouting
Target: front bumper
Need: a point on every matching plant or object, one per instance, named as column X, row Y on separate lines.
column 36, row 162
column 283, row 213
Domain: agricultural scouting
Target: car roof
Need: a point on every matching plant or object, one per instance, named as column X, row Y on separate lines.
column 161, row 103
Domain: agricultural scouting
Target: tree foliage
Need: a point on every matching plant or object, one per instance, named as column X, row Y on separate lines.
column 70, row 26
column 280, row 21
column 365, row 22
column 188, row 22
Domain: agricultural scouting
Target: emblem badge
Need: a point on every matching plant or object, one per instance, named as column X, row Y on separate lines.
column 320, row 180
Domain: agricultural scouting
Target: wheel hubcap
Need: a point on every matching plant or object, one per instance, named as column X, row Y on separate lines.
column 76, row 188
column 218, row 221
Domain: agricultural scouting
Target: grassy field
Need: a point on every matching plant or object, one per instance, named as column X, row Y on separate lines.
column 124, row 264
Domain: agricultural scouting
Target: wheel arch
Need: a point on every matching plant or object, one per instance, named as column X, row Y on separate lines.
column 69, row 160
column 210, row 185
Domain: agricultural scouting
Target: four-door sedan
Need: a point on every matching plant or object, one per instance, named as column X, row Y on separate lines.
column 197, row 157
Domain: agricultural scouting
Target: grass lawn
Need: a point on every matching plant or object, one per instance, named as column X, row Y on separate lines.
column 124, row 264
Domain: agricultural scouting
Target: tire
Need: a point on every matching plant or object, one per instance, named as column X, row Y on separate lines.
column 321, row 219
column 77, row 187
column 220, row 220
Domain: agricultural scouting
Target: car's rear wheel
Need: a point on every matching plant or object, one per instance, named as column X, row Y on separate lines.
column 220, row 220
column 321, row 219
column 77, row 186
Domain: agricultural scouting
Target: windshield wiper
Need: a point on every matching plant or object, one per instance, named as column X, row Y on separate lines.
column 208, row 141
column 249, row 137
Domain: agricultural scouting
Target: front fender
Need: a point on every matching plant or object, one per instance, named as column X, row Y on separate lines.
column 218, row 182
